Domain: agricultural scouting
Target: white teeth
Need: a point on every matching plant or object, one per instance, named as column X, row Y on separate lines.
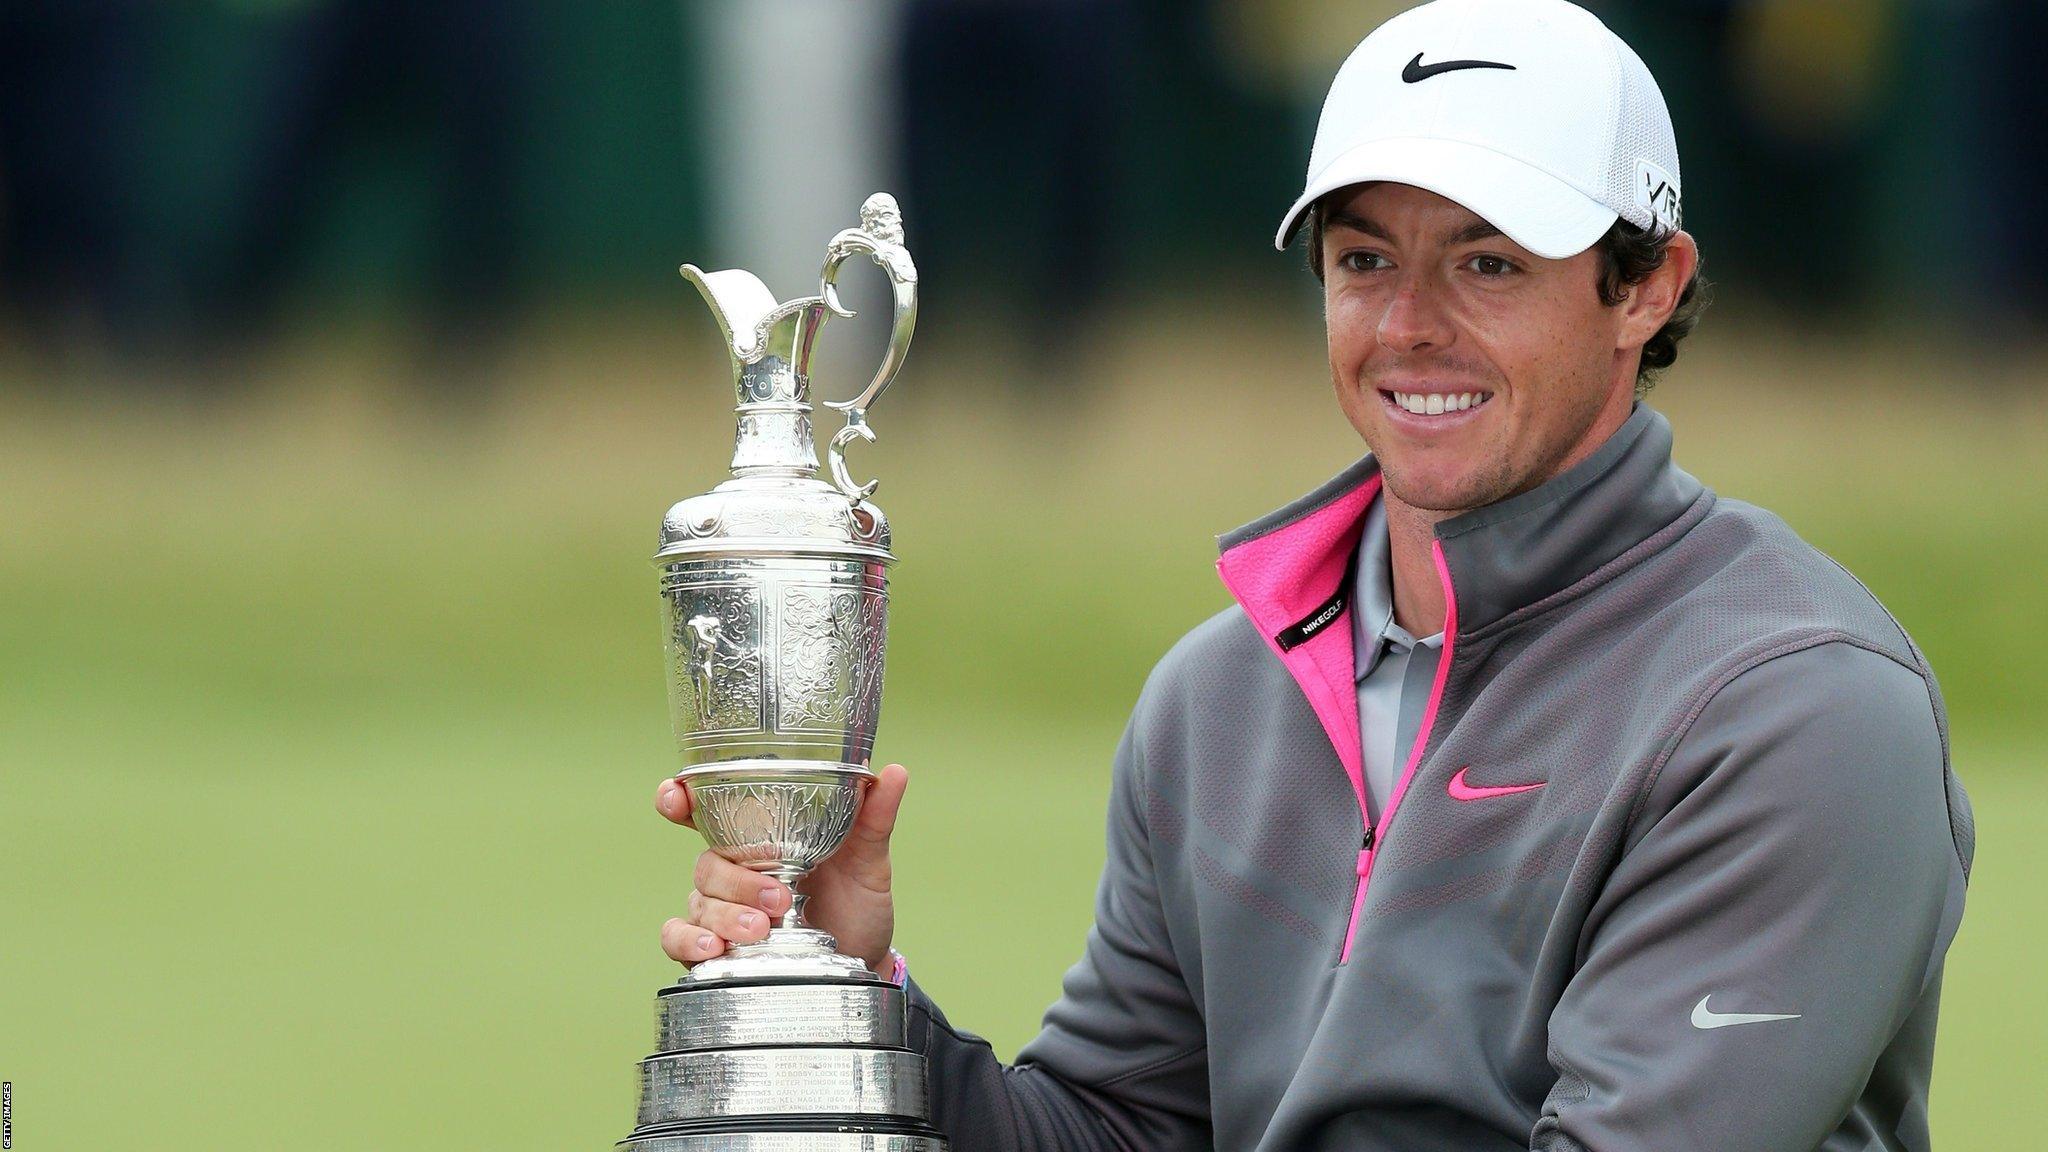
column 1436, row 403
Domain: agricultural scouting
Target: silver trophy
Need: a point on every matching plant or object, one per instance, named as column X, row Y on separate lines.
column 775, row 603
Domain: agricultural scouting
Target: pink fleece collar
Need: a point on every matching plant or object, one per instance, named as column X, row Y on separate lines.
column 1280, row 578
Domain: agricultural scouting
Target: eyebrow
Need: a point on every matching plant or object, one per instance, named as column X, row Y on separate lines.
column 1477, row 230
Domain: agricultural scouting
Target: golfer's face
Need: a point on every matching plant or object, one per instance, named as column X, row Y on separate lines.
column 1472, row 367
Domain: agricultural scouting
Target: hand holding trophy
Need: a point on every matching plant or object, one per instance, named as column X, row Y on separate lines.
column 775, row 600
column 850, row 893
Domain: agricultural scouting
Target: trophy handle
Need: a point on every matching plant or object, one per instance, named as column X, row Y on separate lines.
column 880, row 236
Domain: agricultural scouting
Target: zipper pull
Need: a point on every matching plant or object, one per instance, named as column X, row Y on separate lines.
column 1365, row 854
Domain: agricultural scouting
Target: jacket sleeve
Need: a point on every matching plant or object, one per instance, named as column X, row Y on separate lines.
column 1790, row 887
column 1121, row 1062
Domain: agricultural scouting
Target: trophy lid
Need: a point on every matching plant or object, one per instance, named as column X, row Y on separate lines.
column 774, row 516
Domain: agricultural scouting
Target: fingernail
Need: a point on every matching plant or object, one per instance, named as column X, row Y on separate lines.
column 770, row 898
column 707, row 943
column 749, row 919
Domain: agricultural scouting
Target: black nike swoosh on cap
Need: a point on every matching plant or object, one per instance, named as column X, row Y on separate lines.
column 1417, row 71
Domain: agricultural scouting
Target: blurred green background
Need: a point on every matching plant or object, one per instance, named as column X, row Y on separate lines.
column 330, row 687
column 331, row 726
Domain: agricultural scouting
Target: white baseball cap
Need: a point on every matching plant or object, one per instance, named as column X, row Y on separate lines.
column 1528, row 112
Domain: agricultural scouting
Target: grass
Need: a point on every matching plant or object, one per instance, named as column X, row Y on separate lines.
column 328, row 727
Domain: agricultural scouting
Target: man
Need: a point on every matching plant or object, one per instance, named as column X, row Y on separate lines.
column 1531, row 796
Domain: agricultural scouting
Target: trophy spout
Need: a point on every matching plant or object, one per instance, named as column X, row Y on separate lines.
column 760, row 334
column 769, row 344
column 741, row 303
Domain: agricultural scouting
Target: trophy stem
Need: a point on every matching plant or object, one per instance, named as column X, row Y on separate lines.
column 794, row 918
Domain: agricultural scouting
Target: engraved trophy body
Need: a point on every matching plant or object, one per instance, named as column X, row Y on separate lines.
column 775, row 607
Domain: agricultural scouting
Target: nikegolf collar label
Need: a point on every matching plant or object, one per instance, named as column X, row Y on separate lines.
column 1322, row 615
column 1704, row 1020
column 1326, row 614
column 1417, row 71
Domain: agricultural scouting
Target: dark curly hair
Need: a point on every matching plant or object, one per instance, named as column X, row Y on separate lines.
column 1628, row 256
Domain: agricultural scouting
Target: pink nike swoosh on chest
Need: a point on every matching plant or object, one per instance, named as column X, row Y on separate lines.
column 1462, row 791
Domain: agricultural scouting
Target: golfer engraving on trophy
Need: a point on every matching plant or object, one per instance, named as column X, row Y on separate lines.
column 775, row 604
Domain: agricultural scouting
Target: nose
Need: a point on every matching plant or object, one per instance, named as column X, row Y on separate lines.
column 1414, row 319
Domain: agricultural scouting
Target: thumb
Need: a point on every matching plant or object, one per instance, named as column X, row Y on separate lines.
column 672, row 800
column 866, row 851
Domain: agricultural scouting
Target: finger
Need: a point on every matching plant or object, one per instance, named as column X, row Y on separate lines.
column 865, row 856
column 672, row 800
column 688, row 942
column 722, row 879
column 877, row 817
column 735, row 923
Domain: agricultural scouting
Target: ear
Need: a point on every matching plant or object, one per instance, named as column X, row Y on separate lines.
column 1652, row 302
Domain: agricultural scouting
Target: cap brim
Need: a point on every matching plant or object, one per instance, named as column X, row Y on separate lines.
column 1533, row 208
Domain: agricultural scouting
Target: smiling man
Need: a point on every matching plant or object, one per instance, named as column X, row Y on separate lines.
column 1531, row 796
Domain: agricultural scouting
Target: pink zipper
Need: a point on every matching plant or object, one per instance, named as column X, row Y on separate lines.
column 1376, row 837
column 1266, row 575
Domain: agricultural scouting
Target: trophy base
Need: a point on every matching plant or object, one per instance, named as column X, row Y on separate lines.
column 763, row 1088
column 782, row 1014
column 816, row 1135
column 784, row 1064
column 788, row 954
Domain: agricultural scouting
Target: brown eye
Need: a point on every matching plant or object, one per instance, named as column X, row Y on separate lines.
column 1359, row 261
column 1491, row 266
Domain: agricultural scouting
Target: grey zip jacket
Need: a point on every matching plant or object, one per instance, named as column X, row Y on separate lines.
column 1673, row 863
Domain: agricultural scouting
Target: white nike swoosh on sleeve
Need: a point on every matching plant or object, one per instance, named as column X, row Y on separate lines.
column 1704, row 1019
